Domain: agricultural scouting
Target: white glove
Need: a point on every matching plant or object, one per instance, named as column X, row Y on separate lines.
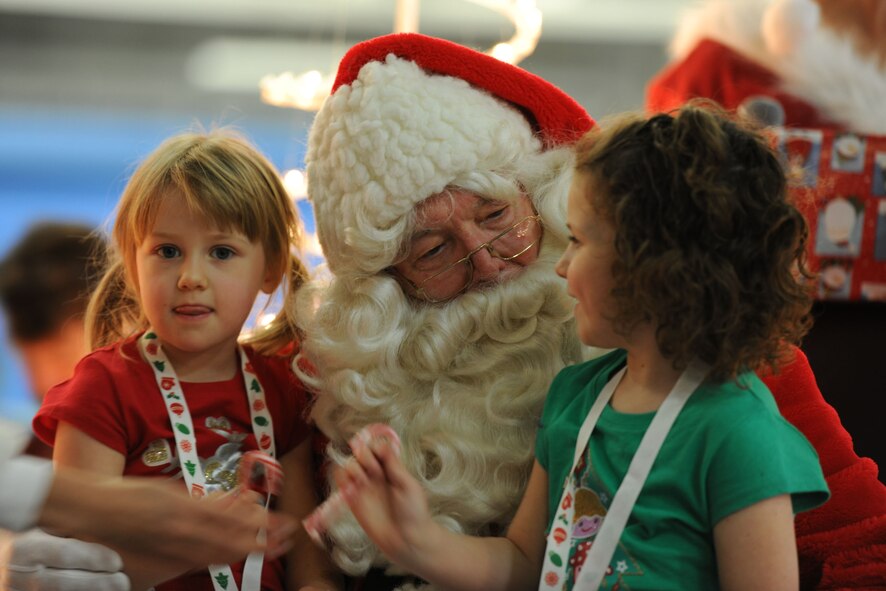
column 37, row 561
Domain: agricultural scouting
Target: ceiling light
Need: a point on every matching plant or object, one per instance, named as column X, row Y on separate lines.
column 308, row 90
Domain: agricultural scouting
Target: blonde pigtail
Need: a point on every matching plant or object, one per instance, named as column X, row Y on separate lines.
column 112, row 313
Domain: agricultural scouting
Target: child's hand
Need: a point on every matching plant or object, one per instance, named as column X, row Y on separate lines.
column 243, row 511
column 386, row 499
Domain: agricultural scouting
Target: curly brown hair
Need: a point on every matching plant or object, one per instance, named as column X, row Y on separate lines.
column 708, row 246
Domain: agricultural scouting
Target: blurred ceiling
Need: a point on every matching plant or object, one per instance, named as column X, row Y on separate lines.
column 207, row 56
column 564, row 20
column 89, row 84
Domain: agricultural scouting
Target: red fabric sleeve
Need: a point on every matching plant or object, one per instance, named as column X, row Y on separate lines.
column 842, row 544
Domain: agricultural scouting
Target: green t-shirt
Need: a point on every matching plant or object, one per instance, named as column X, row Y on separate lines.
column 728, row 449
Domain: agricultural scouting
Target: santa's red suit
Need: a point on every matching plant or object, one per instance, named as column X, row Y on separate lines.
column 820, row 67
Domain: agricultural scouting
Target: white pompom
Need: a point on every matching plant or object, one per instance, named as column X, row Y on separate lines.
column 787, row 22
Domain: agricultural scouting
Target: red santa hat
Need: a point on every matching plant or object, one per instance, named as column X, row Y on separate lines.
column 408, row 116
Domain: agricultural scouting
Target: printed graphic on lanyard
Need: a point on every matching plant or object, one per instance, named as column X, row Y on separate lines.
column 185, row 439
column 591, row 504
column 180, row 416
column 579, row 517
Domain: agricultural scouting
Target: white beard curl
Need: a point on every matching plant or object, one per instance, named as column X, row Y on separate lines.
column 463, row 384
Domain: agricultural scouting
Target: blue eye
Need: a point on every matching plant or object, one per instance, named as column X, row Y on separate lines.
column 167, row 251
column 223, row 253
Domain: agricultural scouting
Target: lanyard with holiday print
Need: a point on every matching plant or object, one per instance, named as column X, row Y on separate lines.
column 186, row 442
column 600, row 554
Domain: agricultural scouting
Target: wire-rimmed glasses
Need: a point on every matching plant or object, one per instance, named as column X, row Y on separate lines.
column 455, row 278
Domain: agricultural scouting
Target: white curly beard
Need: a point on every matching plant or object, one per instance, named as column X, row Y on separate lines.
column 463, row 385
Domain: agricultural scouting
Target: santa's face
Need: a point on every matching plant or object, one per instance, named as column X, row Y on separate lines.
column 464, row 242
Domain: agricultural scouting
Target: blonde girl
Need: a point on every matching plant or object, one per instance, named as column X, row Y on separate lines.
column 170, row 390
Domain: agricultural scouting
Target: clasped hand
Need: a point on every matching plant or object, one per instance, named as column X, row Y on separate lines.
column 387, row 501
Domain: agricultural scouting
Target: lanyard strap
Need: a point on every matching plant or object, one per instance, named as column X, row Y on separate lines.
column 601, row 551
column 186, row 442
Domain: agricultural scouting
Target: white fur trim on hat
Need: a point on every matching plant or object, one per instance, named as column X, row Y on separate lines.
column 388, row 141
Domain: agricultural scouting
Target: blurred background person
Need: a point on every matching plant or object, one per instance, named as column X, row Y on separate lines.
column 45, row 282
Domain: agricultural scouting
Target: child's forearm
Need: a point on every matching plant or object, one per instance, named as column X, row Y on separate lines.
column 455, row 561
column 393, row 510
column 84, row 505
column 150, row 517
column 449, row 560
column 76, row 506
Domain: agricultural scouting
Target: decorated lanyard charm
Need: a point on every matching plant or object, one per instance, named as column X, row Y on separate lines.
column 261, row 473
column 332, row 509
column 186, row 443
column 600, row 554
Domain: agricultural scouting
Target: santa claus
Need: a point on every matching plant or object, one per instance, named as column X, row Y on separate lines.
column 816, row 69
column 455, row 355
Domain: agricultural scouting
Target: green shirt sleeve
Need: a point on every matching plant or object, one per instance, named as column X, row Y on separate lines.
column 758, row 456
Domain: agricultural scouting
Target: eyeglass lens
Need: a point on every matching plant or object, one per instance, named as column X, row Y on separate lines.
column 453, row 279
